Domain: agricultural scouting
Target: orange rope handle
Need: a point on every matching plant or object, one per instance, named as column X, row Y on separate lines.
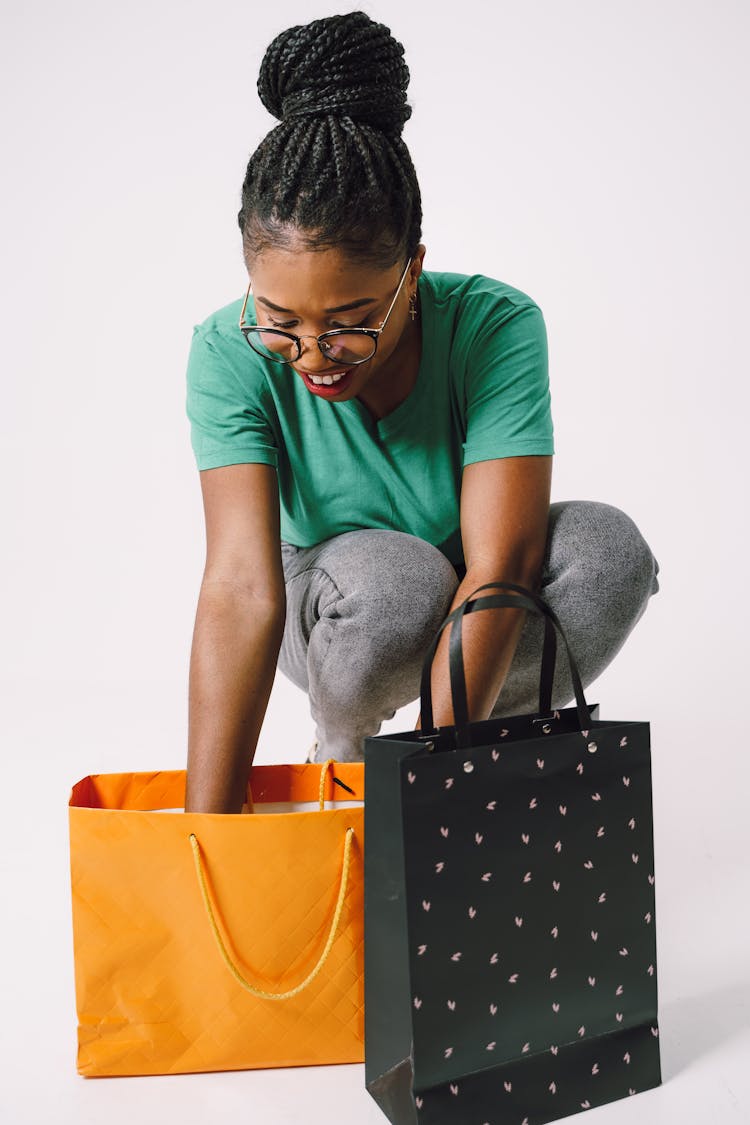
column 323, row 775
column 253, row 989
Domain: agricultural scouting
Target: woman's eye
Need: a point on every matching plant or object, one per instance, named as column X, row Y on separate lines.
column 288, row 325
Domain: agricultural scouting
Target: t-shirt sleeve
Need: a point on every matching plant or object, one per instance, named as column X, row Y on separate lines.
column 507, row 388
column 228, row 423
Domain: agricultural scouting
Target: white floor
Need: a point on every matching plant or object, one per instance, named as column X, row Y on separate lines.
column 55, row 735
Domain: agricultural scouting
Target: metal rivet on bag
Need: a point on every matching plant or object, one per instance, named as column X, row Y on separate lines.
column 546, row 728
column 468, row 767
column 592, row 748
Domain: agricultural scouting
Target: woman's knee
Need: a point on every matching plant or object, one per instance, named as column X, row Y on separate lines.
column 605, row 539
column 399, row 584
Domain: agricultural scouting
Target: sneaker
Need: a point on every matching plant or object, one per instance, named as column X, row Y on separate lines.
column 310, row 759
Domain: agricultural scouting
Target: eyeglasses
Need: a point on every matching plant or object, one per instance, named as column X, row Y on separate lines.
column 347, row 346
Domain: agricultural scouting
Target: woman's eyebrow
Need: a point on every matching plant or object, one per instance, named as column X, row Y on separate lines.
column 338, row 308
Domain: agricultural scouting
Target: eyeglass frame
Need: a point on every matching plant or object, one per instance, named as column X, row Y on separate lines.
column 373, row 333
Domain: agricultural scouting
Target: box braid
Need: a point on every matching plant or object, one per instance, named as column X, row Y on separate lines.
column 335, row 172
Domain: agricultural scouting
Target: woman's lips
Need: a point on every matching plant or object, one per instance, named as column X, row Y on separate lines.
column 327, row 390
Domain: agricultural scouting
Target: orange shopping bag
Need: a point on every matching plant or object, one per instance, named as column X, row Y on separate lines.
column 208, row 941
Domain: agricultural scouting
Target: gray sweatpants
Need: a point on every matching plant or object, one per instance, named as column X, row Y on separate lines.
column 364, row 606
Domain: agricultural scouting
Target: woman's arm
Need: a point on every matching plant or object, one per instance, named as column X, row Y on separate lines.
column 238, row 630
column 504, row 516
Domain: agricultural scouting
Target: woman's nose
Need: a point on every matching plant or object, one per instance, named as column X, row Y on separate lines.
column 314, row 350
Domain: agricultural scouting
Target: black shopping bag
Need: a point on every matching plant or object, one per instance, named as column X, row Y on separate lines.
column 510, row 946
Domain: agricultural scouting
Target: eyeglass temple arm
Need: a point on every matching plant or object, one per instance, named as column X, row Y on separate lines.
column 244, row 305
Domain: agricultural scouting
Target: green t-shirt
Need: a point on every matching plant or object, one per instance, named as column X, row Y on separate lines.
column 482, row 392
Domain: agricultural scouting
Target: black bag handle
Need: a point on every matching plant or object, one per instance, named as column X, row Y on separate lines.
column 525, row 599
column 549, row 654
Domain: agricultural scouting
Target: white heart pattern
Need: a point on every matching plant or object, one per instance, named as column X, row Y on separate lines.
column 497, row 906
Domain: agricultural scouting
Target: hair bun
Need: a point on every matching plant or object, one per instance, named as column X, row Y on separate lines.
column 346, row 65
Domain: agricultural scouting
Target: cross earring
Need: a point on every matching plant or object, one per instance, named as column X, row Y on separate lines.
column 413, row 306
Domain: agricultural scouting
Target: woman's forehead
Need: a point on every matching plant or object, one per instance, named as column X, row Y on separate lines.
column 326, row 280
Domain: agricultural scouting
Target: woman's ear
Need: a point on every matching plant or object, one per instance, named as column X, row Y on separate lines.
column 416, row 265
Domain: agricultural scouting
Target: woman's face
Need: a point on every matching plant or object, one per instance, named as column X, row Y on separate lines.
column 307, row 292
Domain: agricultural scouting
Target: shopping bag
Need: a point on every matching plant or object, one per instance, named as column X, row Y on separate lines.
column 206, row 941
column 510, row 952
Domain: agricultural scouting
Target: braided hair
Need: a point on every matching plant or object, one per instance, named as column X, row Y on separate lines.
column 335, row 172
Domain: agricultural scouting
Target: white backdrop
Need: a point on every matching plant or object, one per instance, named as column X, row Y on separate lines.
column 593, row 154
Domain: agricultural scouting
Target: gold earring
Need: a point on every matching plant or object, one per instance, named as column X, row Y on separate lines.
column 413, row 306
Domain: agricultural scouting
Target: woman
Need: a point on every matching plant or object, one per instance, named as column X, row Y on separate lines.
column 360, row 485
